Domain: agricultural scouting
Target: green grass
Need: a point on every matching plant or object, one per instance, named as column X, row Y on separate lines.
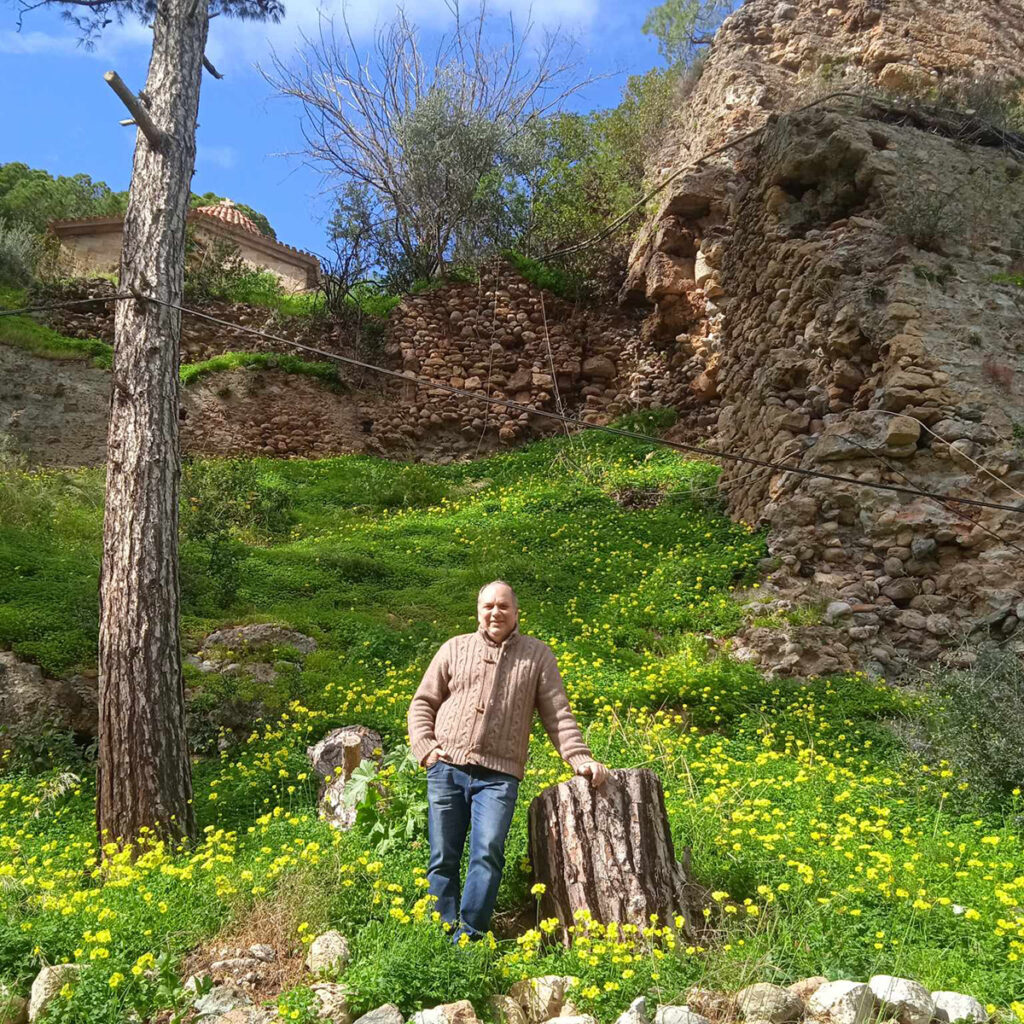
column 327, row 372
column 31, row 336
column 830, row 848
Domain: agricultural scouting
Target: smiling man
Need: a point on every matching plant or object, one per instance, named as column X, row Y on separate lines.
column 469, row 725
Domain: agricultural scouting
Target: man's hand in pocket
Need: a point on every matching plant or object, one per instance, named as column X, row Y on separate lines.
column 437, row 754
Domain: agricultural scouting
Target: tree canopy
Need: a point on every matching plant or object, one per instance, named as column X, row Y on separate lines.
column 33, row 197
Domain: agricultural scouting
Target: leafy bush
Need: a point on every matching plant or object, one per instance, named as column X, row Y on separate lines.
column 223, row 501
column 414, row 965
column 978, row 724
column 215, row 270
column 647, row 421
column 18, row 251
column 544, row 275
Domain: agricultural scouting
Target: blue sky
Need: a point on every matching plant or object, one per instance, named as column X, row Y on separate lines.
column 61, row 116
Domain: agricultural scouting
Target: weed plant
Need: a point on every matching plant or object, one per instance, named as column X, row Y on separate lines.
column 828, row 848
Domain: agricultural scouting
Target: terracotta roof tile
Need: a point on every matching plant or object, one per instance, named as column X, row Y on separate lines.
column 226, row 211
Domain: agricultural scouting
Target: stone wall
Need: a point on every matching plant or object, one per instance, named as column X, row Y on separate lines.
column 834, row 284
column 503, row 338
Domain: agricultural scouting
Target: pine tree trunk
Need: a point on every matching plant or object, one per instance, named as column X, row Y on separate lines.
column 609, row 850
column 144, row 776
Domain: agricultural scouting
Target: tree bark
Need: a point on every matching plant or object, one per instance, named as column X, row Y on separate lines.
column 609, row 850
column 144, row 776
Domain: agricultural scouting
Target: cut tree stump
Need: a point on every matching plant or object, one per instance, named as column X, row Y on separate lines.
column 609, row 850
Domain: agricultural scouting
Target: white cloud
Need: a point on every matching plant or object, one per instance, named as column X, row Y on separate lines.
column 37, row 42
column 250, row 42
column 224, row 157
column 62, row 39
column 234, row 46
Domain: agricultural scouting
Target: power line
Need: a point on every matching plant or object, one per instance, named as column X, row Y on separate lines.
column 411, row 378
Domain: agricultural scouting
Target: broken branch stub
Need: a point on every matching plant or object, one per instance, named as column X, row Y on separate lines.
column 140, row 116
column 609, row 850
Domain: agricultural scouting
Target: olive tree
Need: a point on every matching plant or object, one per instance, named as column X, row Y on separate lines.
column 423, row 149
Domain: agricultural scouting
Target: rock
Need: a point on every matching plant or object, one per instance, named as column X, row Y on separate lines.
column 261, row 634
column 636, row 1013
column 234, row 965
column 333, row 1002
column 769, row 1003
column 902, row 431
column 506, row 1010
column 328, row 952
column 13, row 1008
column 576, row 1018
column 263, row 952
column 461, row 1012
column 48, row 983
column 386, row 1014
column 221, row 999
column 246, row 1015
column 835, row 610
column 342, row 749
column 678, row 1015
column 806, row 987
column 29, row 699
column 542, row 998
column 907, row 1001
column 711, row 1003
column 842, row 1002
column 953, row 1006
column 598, row 368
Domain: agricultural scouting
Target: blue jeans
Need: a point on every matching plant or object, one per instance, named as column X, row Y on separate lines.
column 460, row 796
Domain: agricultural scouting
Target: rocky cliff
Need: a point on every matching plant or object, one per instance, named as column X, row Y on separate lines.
column 843, row 290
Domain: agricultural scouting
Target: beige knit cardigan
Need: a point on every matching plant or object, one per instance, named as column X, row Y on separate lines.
column 477, row 699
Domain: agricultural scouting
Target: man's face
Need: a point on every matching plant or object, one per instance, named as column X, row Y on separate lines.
column 496, row 611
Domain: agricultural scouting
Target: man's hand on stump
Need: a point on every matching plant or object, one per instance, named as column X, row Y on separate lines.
column 596, row 772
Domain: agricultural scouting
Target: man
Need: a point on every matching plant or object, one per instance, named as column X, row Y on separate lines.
column 469, row 725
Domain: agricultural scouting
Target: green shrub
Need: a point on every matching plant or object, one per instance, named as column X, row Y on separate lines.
column 647, row 421
column 544, row 275
column 978, row 725
column 414, row 965
column 18, row 252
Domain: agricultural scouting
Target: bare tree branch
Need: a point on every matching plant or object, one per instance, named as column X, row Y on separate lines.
column 419, row 134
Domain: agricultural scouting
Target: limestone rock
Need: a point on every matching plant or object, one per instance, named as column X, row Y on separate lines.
column 636, row 1013
column 842, row 1002
column 221, row 999
column 328, row 952
column 461, row 1012
column 507, row 1010
column 576, row 1018
column 48, row 983
column 951, row 1007
column 332, row 1001
column 334, row 759
column 678, row 1015
column 907, row 1001
column 260, row 634
column 542, row 998
column 769, row 1004
column 386, row 1014
column 806, row 987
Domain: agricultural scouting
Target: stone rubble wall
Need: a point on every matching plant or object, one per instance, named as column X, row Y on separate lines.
column 493, row 338
column 816, row 334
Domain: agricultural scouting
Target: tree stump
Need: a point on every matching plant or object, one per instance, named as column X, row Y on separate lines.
column 610, row 851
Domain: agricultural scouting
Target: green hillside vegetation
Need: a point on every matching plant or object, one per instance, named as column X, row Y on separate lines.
column 828, row 846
